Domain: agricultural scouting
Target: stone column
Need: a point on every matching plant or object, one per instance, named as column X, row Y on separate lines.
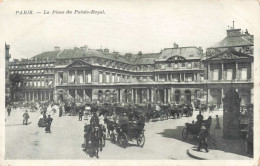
column 152, row 95
column 119, row 96
column 41, row 95
column 68, row 76
column 33, row 96
column 132, row 96
column 76, row 94
column 29, row 94
column 209, row 72
column 45, row 95
column 76, row 77
column 49, row 95
column 84, row 94
column 184, row 77
column 164, row 101
column 136, row 100
column 179, row 77
column 222, row 71
column 237, row 72
column 169, row 95
column 84, row 78
column 147, row 95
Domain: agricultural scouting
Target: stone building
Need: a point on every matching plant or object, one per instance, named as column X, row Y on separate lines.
column 230, row 64
column 178, row 74
column 7, row 73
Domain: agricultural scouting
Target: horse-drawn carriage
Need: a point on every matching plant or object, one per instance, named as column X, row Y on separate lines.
column 128, row 132
column 94, row 139
column 194, row 128
column 175, row 111
column 187, row 110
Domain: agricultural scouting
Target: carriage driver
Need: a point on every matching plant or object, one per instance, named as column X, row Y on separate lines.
column 199, row 118
column 123, row 122
column 94, row 121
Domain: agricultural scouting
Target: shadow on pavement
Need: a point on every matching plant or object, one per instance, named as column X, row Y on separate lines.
column 215, row 140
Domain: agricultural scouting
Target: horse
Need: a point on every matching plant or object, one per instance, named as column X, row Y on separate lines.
column 95, row 141
column 207, row 123
column 110, row 125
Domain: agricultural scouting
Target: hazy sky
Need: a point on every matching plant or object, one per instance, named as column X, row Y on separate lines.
column 126, row 26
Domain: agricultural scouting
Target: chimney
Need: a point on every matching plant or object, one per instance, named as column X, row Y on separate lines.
column 106, row 50
column 175, row 45
column 140, row 53
column 116, row 53
column 85, row 47
column 57, row 48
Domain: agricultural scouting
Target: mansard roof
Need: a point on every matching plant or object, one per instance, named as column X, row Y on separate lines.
column 235, row 41
column 47, row 55
column 80, row 53
column 145, row 59
column 185, row 52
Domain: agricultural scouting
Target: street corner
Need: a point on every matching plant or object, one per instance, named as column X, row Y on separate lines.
column 200, row 155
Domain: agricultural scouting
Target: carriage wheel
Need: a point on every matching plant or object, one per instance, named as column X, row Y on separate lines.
column 185, row 133
column 155, row 117
column 123, row 140
column 112, row 138
column 141, row 140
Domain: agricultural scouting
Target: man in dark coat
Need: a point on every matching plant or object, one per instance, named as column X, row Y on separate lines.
column 199, row 119
column 94, row 121
column 25, row 117
column 48, row 124
column 60, row 111
column 80, row 114
column 202, row 139
column 9, row 110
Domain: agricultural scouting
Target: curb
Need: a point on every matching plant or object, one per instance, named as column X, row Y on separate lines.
column 193, row 156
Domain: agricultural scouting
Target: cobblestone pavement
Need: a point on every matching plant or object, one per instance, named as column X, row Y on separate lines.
column 163, row 140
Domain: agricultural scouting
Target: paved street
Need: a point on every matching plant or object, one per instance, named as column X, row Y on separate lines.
column 163, row 140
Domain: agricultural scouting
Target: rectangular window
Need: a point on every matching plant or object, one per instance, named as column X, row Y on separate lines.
column 189, row 65
column 183, row 64
column 163, row 67
column 72, row 78
column 108, row 77
column 229, row 74
column 244, row 74
column 100, row 77
column 80, row 76
column 113, row 78
column 215, row 74
column 89, row 78
column 118, row 78
column 176, row 66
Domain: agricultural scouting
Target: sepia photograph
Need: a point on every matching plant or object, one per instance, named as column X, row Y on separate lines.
column 170, row 81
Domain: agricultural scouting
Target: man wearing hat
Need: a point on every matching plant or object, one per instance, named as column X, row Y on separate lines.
column 25, row 117
column 202, row 139
column 94, row 121
column 9, row 110
column 124, row 121
column 48, row 124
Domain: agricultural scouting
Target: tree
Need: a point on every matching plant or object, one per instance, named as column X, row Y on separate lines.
column 17, row 82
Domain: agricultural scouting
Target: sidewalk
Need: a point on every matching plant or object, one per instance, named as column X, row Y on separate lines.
column 220, row 148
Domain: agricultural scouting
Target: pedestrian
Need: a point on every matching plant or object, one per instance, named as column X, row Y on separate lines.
column 203, row 139
column 60, row 111
column 25, row 117
column 9, row 110
column 80, row 114
column 48, row 124
column 217, row 123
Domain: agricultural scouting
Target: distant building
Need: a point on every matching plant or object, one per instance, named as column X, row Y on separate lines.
column 178, row 74
column 230, row 64
column 7, row 73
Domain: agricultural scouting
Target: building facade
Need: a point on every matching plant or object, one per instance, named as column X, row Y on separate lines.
column 7, row 74
column 178, row 74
